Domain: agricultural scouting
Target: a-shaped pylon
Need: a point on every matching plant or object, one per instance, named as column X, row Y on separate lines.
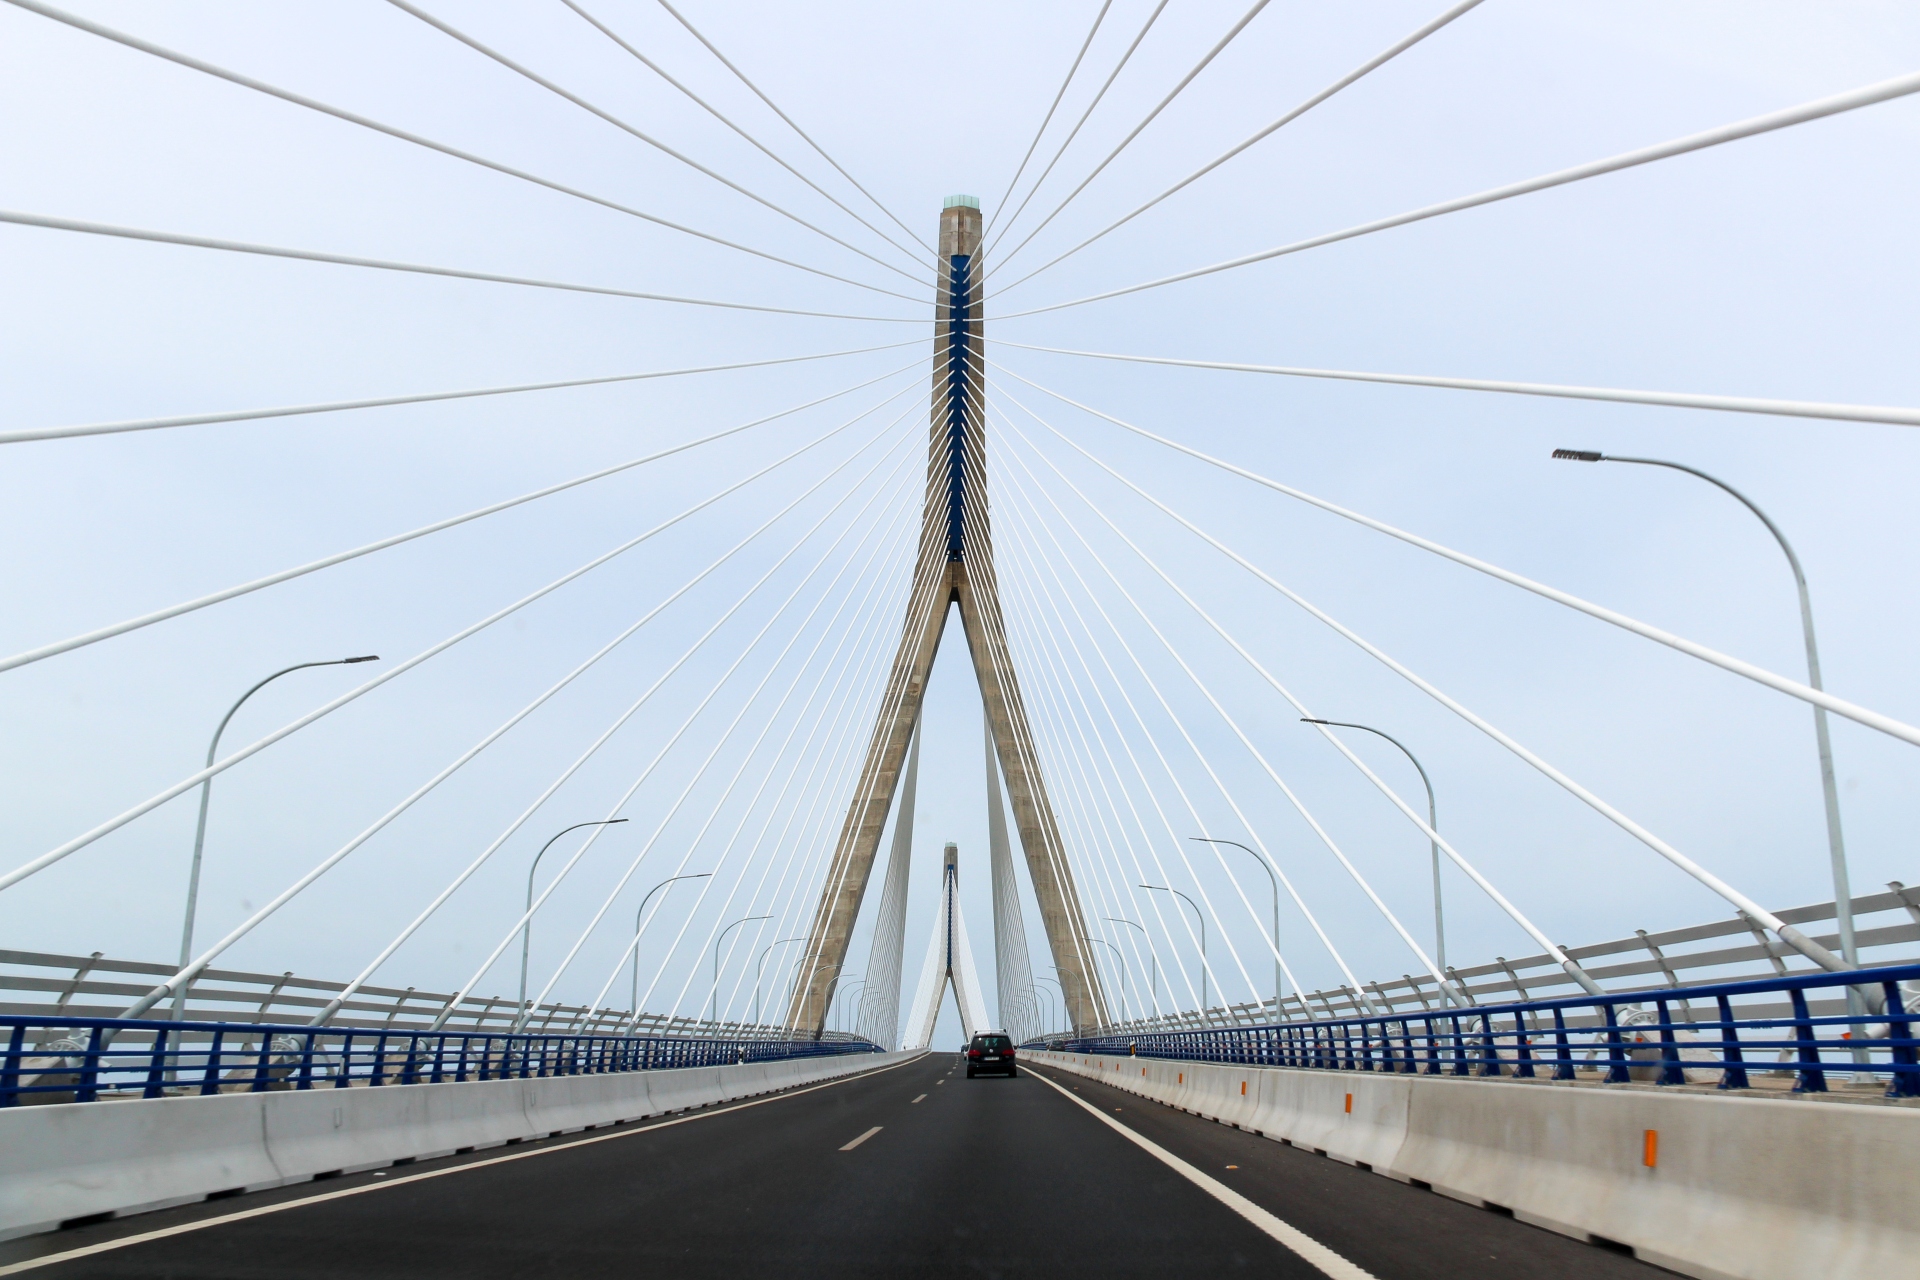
column 949, row 959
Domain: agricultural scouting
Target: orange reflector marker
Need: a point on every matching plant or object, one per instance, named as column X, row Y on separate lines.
column 1143, row 1071
column 1650, row 1154
column 1349, row 1104
column 1243, row 1088
column 1183, row 1077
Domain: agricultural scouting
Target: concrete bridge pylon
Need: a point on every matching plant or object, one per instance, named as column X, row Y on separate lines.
column 954, row 569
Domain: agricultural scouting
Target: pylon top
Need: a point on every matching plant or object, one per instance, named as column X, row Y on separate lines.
column 962, row 202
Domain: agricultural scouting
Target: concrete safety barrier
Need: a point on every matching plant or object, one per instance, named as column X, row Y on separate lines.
column 1719, row 1186
column 87, row 1160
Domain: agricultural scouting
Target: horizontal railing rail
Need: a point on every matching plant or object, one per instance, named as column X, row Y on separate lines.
column 51, row 1059
column 1722, row 1034
column 1887, row 927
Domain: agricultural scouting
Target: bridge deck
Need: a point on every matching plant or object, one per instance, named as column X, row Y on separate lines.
column 982, row 1177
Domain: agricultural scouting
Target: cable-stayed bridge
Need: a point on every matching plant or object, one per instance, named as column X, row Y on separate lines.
column 634, row 551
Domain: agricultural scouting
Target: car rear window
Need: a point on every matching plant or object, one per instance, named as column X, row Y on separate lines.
column 992, row 1042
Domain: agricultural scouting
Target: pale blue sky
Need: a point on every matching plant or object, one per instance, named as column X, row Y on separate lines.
column 1780, row 266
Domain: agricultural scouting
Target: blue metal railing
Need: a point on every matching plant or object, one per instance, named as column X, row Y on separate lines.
column 52, row 1059
column 1766, row 1025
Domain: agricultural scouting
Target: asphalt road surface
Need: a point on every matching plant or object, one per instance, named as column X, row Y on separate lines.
column 909, row 1171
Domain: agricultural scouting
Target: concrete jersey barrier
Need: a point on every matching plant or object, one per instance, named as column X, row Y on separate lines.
column 1712, row 1185
column 82, row 1160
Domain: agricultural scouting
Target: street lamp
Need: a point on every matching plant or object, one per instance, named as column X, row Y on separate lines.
column 635, row 997
column 1203, row 940
column 713, row 1013
column 1836, row 847
column 526, row 927
column 206, row 793
column 1063, row 998
column 1433, row 824
column 838, row 991
column 1125, row 976
column 761, row 965
column 1153, row 961
column 1276, row 911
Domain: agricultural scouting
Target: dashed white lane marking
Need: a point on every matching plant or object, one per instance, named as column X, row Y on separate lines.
column 105, row 1246
column 863, row 1137
column 1326, row 1260
column 921, row 1098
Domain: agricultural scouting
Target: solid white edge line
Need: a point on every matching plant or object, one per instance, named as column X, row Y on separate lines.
column 1326, row 1260
column 863, row 1137
column 107, row 1246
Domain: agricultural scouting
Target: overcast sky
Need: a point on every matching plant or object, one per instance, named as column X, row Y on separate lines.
column 1781, row 266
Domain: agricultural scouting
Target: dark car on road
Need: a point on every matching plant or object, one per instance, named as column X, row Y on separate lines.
column 990, row 1051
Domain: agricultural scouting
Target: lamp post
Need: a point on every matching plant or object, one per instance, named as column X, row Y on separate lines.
column 849, row 998
column 713, row 1012
column 1063, row 997
column 206, row 794
column 1275, row 883
column 760, row 965
column 1836, row 847
column 526, row 929
column 635, row 997
column 1126, row 978
column 1153, row 961
column 1203, row 940
column 1433, row 824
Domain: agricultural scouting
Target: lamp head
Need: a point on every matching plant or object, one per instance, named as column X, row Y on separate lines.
column 1579, row 455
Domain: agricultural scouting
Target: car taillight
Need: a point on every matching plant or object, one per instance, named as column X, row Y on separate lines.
column 973, row 1053
column 1008, row 1052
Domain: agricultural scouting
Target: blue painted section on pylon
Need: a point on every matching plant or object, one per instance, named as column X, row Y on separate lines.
column 959, row 354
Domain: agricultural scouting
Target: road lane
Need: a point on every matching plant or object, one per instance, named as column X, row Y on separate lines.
column 887, row 1174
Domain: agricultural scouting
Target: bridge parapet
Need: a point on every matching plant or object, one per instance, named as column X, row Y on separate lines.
column 1771, row 1025
column 1711, row 1184
column 53, row 1060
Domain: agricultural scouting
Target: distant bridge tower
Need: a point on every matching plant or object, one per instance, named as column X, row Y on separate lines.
column 955, row 568
column 949, row 960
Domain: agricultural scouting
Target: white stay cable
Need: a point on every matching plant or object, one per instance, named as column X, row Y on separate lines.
column 1560, row 957
column 1150, row 117
column 189, row 972
column 47, row 222
column 805, row 137
column 533, row 908
column 1372, row 64
column 848, row 769
column 713, row 111
column 220, row 766
column 1893, row 415
column 839, row 731
column 312, row 566
column 1165, row 764
column 885, row 488
column 824, row 739
column 1051, row 665
column 1787, row 933
column 300, row 100
column 1047, row 119
column 1058, row 680
column 446, row 28
column 1820, row 108
column 1078, row 124
column 374, row 965
column 1266, row 855
column 726, row 735
column 1759, row 675
column 921, row 600
column 336, row 406
column 974, row 495
column 1036, row 594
